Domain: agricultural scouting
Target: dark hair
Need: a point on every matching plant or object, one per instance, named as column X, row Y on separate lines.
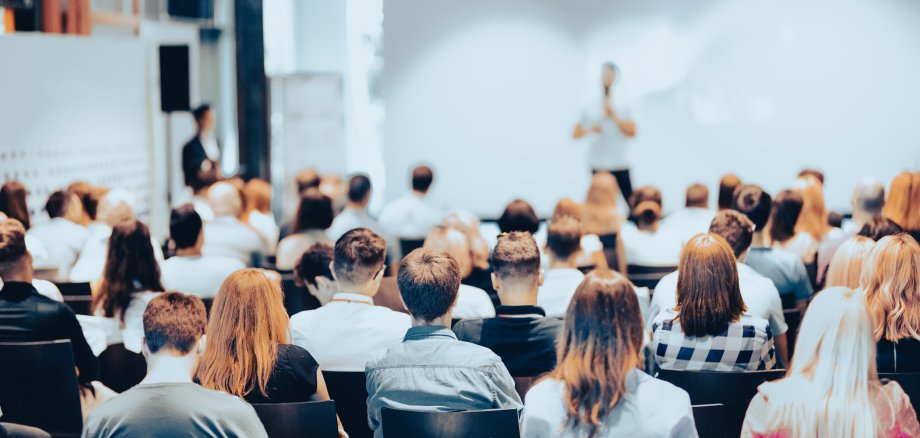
column 130, row 266
column 697, row 196
column 735, row 228
column 727, row 186
column 563, row 237
column 708, row 294
column 834, row 219
column 817, row 174
column 13, row 202
column 58, row 203
column 89, row 196
column 879, row 227
column 12, row 245
column 314, row 212
column 428, row 283
column 174, row 321
column 519, row 216
column 755, row 203
column 314, row 263
column 516, row 256
column 786, row 209
column 359, row 187
column 359, row 255
column 199, row 111
column 307, row 179
column 184, row 226
column 422, row 177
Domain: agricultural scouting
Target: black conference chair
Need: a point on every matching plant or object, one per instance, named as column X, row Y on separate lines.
column 38, row 386
column 296, row 298
column 409, row 245
column 299, row 420
column 734, row 390
column 120, row 369
column 74, row 289
column 349, row 391
column 910, row 383
column 491, row 423
column 647, row 276
column 710, row 420
column 77, row 296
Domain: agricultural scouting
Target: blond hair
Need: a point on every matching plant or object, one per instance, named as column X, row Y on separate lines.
column 898, row 205
column 891, row 281
column 257, row 196
column 846, row 266
column 813, row 218
column 600, row 209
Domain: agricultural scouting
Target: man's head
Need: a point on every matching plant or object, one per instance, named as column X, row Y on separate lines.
column 868, row 199
column 563, row 239
column 185, row 227
column 225, row 200
column 15, row 260
column 516, row 265
column 173, row 324
column 697, row 196
column 422, row 177
column 429, row 282
column 735, row 228
column 754, row 203
column 64, row 204
column 519, row 215
column 358, row 261
column 314, row 270
column 204, row 118
column 727, row 186
column 359, row 190
column 315, row 211
column 116, row 206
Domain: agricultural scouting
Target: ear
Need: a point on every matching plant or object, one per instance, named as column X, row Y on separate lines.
column 145, row 350
column 495, row 282
column 540, row 279
column 332, row 270
column 380, row 273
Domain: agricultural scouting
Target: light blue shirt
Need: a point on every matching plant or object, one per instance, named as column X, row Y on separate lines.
column 784, row 268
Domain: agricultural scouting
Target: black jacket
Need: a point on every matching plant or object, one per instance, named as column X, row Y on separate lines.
column 193, row 154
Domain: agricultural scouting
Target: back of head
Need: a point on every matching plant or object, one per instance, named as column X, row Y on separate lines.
column 185, row 226
column 258, row 196
column 359, row 256
column 697, row 196
column 735, row 228
column 813, row 218
column 174, row 323
column 563, row 238
column 117, row 205
column 847, row 264
column 897, row 207
column 307, row 179
column 600, row 210
column 755, row 203
column 598, row 349
column 13, row 202
column 891, row 281
column 813, row 173
column 516, row 259
column 429, row 282
column 422, row 177
column 645, row 193
column 453, row 242
column 89, row 196
column 868, row 198
column 646, row 205
column 519, row 216
column 879, row 227
column 200, row 112
column 708, row 293
column 603, row 191
column 568, row 207
column 248, row 322
column 315, row 262
column 727, row 186
column 64, row 204
column 12, row 248
column 785, row 214
column 315, row 211
column 359, row 189
column 225, row 200
column 130, row 266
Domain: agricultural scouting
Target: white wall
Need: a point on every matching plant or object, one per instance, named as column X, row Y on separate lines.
column 488, row 90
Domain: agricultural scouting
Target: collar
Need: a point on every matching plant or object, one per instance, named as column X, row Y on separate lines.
column 352, row 298
column 520, row 312
column 17, row 289
column 429, row 332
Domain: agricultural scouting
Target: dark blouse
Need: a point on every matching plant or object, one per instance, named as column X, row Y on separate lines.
column 292, row 380
column 901, row 357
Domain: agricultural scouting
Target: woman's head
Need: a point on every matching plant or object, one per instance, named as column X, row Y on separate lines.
column 315, row 211
column 708, row 294
column 519, row 216
column 897, row 206
column 813, row 218
column 455, row 243
column 468, row 223
column 600, row 210
column 568, row 207
column 785, row 214
column 646, row 205
column 13, row 202
column 248, row 322
column 727, row 186
column 891, row 281
column 257, row 195
column 600, row 345
column 847, row 264
column 130, row 266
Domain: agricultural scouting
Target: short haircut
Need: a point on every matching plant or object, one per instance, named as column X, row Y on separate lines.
column 58, row 203
column 359, row 186
column 817, row 174
column 12, row 244
column 174, row 321
column 429, row 282
column 422, row 177
column 645, row 193
column 879, row 227
column 199, row 111
column 315, row 211
column 315, row 263
column 519, row 216
column 727, row 186
column 184, row 226
column 563, row 237
column 359, row 255
column 697, row 196
column 516, row 256
column 753, row 202
column 735, row 228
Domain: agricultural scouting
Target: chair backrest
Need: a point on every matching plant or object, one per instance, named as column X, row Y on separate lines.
column 734, row 390
column 80, row 305
column 120, row 369
column 910, row 383
column 710, row 420
column 647, row 276
column 491, row 423
column 349, row 391
column 74, row 289
column 388, row 295
column 408, row 245
column 38, row 386
column 299, row 420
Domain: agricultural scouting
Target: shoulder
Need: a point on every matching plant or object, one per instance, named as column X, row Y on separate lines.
column 665, row 320
column 755, row 326
column 546, row 390
column 479, row 356
column 665, row 393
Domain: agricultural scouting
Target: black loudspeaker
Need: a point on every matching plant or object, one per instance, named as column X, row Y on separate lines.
column 174, row 78
column 194, row 9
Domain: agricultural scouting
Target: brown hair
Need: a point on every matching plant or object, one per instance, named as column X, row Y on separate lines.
column 897, row 206
column 315, row 211
column 13, row 202
column 519, row 216
column 786, row 210
column 879, row 227
column 248, row 323
column 359, row 256
column 174, row 321
column 708, row 294
column 257, row 196
column 314, row 263
column 735, row 228
column 568, row 207
column 813, row 218
column 130, row 266
column 697, row 196
column 600, row 210
column 516, row 257
column 563, row 237
column 814, row 173
column 727, row 186
column 599, row 347
column 891, row 281
column 12, row 245
column 422, row 177
column 428, row 283
column 847, row 264
column 307, row 179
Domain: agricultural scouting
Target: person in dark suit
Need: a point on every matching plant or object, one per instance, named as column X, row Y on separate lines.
column 201, row 154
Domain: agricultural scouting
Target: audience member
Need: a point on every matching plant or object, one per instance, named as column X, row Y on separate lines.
column 814, row 216
column 63, row 236
column 867, row 202
column 847, row 265
column 307, row 179
column 696, row 215
column 709, row 329
column 227, row 235
column 521, row 335
column 167, row 402
column 412, row 216
column 13, row 205
column 592, row 251
column 727, row 186
column 879, row 227
column 597, row 388
column 480, row 251
column 903, row 205
column 314, row 216
column 130, row 279
column 189, row 271
column 562, row 277
column 519, row 215
column 813, row 173
column 257, row 197
column 601, row 216
column 428, row 370
column 472, row 302
column 314, row 271
column 355, row 213
column 85, row 193
column 350, row 330
column 891, row 282
column 647, row 243
column 783, row 233
column 831, row 388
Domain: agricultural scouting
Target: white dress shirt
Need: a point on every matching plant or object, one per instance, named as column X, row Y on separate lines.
column 198, row 275
column 410, row 217
column 227, row 236
column 349, row 219
column 63, row 240
column 473, row 302
column 558, row 287
column 89, row 266
column 758, row 292
column 688, row 222
column 292, row 247
column 264, row 224
column 348, row 332
column 650, row 248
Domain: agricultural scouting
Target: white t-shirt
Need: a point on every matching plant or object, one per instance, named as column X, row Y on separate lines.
column 557, row 290
column 349, row 219
column 608, row 147
column 131, row 334
column 198, row 275
column 264, row 224
column 227, row 236
column 650, row 248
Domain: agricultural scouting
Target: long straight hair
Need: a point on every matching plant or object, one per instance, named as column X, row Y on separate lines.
column 599, row 347
column 708, row 293
column 787, row 207
column 847, row 264
column 891, row 281
column 813, row 218
column 130, row 266
column 248, row 322
column 898, row 205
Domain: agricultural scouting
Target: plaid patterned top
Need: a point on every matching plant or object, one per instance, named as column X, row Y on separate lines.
column 745, row 345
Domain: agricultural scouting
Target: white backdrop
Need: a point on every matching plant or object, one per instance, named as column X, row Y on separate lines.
column 488, row 90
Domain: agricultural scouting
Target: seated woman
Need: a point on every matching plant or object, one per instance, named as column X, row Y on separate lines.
column 709, row 329
column 472, row 302
column 647, row 243
column 130, row 279
column 831, row 388
column 847, row 264
column 314, row 216
column 782, row 231
column 597, row 388
column 891, row 282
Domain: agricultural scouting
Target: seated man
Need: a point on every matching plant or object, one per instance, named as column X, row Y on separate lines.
column 62, row 236
column 431, row 370
column 355, row 213
column 227, row 235
column 563, row 245
column 521, row 335
column 696, row 215
column 27, row 316
column 167, row 402
column 350, row 330
column 189, row 271
column 314, row 271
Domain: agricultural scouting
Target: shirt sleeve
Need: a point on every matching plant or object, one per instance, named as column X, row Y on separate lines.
column 506, row 396
column 83, row 355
